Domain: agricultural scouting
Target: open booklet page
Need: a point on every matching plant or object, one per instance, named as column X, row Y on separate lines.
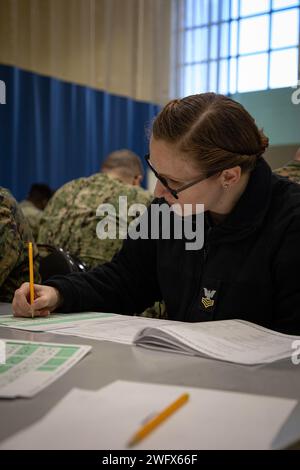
column 228, row 340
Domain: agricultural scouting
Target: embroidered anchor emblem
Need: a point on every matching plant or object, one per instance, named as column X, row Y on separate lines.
column 207, row 300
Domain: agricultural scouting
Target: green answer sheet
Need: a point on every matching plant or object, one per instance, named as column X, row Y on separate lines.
column 29, row 367
column 52, row 322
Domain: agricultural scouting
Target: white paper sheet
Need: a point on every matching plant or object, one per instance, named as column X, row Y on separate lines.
column 107, row 419
column 32, row 366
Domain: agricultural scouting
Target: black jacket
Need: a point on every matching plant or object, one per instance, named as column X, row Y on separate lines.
column 251, row 261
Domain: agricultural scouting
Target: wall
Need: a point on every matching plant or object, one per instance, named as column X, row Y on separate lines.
column 274, row 111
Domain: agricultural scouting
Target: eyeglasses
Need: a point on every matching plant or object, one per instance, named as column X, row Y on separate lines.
column 163, row 180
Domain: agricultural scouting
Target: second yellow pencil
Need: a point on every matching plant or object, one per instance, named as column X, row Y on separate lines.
column 153, row 423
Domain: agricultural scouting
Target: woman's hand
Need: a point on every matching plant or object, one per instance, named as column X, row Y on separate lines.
column 46, row 300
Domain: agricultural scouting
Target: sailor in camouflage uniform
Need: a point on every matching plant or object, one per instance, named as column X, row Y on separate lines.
column 14, row 237
column 292, row 169
column 69, row 220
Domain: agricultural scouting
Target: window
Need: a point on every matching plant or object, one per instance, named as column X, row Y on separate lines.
column 238, row 45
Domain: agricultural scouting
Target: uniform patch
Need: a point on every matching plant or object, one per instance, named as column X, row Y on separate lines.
column 208, row 297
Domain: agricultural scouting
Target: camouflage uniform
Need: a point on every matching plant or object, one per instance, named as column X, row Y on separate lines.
column 14, row 236
column 69, row 220
column 33, row 216
column 291, row 170
column 158, row 310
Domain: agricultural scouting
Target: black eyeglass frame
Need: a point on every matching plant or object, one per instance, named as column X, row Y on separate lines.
column 163, row 181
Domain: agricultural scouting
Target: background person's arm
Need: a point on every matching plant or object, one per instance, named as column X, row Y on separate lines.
column 14, row 237
column 10, row 243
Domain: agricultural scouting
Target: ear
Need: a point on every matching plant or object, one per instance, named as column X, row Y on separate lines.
column 231, row 176
column 137, row 180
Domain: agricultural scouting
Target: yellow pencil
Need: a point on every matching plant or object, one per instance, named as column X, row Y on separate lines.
column 153, row 423
column 31, row 279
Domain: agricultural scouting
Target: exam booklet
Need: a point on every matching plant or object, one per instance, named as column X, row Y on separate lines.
column 235, row 341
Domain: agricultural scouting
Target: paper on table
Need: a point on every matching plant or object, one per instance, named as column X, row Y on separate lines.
column 32, row 366
column 52, row 322
column 117, row 328
column 228, row 340
column 107, row 419
column 235, row 341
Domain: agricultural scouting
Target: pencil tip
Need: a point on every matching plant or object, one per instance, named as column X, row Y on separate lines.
column 132, row 443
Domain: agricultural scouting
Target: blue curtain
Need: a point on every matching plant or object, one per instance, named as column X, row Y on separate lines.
column 52, row 131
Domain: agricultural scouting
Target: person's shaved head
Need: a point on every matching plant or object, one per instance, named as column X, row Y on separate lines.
column 124, row 165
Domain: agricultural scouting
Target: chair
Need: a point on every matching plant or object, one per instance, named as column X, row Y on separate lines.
column 54, row 260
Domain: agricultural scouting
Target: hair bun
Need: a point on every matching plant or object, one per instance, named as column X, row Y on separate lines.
column 264, row 141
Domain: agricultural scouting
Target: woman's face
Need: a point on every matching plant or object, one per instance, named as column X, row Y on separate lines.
column 178, row 171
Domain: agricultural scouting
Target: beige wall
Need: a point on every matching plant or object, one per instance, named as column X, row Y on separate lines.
column 121, row 46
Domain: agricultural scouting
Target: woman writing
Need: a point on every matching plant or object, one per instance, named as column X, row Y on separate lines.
column 204, row 149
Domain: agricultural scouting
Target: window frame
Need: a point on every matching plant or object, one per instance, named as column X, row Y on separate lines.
column 182, row 64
